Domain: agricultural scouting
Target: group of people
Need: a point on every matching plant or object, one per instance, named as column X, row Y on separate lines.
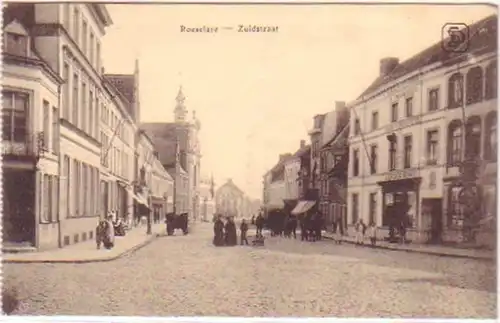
column 225, row 233
column 105, row 233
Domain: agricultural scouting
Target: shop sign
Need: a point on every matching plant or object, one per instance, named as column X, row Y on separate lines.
column 401, row 174
column 404, row 123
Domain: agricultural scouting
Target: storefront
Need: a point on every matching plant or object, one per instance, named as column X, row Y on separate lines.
column 400, row 202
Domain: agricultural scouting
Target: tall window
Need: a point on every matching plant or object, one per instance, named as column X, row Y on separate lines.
column 91, row 49
column 409, row 107
column 392, row 154
column 372, row 208
column 68, row 179
column 91, row 113
column 432, row 147
column 14, row 115
column 474, row 85
column 66, row 91
column 16, row 44
column 97, row 107
column 55, row 130
column 85, row 179
column 374, row 120
column 355, row 208
column 357, row 127
column 98, row 56
column 491, row 81
column 408, row 146
column 46, row 123
column 434, row 100
column 455, row 91
column 473, row 137
column 76, row 25
column 76, row 188
column 490, row 142
column 355, row 163
column 394, row 112
column 84, row 107
column 76, row 101
column 455, row 143
column 455, row 207
column 84, row 38
column 46, row 199
column 373, row 159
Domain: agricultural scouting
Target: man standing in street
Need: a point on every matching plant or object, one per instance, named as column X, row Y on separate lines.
column 243, row 233
column 259, row 223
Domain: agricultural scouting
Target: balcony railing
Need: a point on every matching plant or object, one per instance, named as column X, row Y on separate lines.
column 33, row 146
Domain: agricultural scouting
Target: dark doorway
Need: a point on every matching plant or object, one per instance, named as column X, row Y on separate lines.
column 19, row 206
column 433, row 208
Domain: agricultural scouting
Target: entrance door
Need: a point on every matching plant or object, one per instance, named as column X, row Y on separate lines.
column 434, row 210
column 19, row 206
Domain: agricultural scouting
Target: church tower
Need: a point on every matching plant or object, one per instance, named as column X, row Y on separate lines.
column 180, row 111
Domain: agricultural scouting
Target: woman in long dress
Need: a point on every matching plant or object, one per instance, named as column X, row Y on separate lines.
column 231, row 235
column 218, row 232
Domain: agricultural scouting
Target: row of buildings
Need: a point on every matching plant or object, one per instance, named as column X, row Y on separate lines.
column 74, row 148
column 407, row 136
column 230, row 200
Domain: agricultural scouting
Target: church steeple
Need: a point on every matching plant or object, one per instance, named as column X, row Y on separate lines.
column 180, row 111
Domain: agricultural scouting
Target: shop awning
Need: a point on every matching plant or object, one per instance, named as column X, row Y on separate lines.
column 139, row 198
column 303, row 206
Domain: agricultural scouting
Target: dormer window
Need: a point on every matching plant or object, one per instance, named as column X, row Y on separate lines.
column 16, row 44
column 16, row 39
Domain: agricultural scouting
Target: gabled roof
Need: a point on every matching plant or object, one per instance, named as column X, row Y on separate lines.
column 483, row 37
column 163, row 136
column 125, row 84
column 302, row 151
column 229, row 183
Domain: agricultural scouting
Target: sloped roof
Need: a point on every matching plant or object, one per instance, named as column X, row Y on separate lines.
column 302, row 151
column 485, row 40
column 229, row 183
column 329, row 128
column 125, row 84
column 163, row 136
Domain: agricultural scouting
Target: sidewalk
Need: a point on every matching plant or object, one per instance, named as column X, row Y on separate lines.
column 436, row 250
column 87, row 252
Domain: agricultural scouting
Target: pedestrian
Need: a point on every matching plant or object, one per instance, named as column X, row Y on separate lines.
column 105, row 233
column 372, row 234
column 337, row 232
column 243, row 232
column 230, row 232
column 259, row 224
column 253, row 220
column 218, row 231
column 360, row 232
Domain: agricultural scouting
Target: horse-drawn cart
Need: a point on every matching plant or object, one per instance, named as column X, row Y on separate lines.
column 177, row 221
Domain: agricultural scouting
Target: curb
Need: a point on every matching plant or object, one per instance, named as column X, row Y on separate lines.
column 86, row 261
column 427, row 252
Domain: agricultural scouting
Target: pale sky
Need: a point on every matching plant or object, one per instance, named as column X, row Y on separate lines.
column 256, row 93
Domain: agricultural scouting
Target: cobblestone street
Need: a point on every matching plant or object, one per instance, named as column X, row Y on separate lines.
column 186, row 275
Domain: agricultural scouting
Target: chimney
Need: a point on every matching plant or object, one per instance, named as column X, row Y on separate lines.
column 302, row 143
column 387, row 65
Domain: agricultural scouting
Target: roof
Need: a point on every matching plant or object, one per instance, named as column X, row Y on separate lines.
column 302, row 151
column 479, row 41
column 163, row 136
column 125, row 84
column 232, row 185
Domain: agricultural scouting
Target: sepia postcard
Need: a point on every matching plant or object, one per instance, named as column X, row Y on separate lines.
column 246, row 160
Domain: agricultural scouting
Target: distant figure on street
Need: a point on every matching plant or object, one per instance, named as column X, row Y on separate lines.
column 231, row 237
column 259, row 223
column 360, row 232
column 105, row 234
column 218, row 232
column 253, row 220
column 372, row 234
column 243, row 232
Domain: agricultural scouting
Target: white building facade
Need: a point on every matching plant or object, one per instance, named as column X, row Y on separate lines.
column 400, row 132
